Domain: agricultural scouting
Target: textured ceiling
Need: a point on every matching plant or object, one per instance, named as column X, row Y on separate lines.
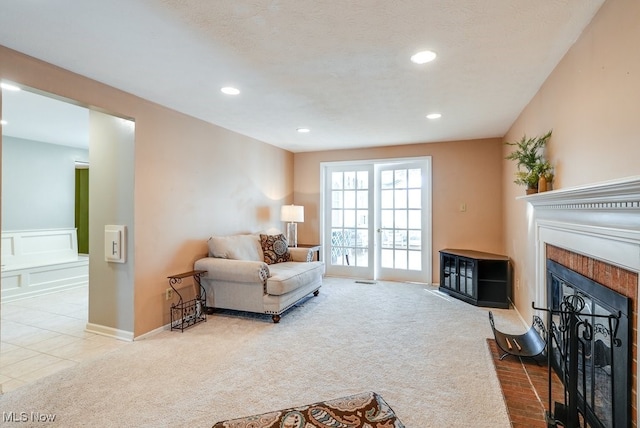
column 338, row 67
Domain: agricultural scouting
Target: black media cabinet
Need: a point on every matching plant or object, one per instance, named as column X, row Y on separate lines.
column 482, row 279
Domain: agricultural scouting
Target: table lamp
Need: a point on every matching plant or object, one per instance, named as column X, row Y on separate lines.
column 292, row 214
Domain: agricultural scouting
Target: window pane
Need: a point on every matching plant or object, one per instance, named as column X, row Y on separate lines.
column 386, row 219
column 401, row 259
column 414, row 199
column 386, row 179
column 336, row 199
column 400, row 198
column 401, row 178
column 363, row 179
column 386, row 258
column 350, row 180
column 400, row 239
column 415, row 221
column 401, row 219
column 386, row 199
column 363, row 199
column 363, row 218
column 415, row 178
column 336, row 180
column 386, row 237
column 336, row 218
column 362, row 257
column 415, row 260
column 415, row 240
column 349, row 237
column 349, row 218
column 349, row 199
column 362, row 238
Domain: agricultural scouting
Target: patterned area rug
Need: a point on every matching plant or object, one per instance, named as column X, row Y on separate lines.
column 366, row 410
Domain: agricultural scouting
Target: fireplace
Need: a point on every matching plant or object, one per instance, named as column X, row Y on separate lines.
column 593, row 230
column 590, row 349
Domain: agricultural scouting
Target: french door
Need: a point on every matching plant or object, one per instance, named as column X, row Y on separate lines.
column 377, row 219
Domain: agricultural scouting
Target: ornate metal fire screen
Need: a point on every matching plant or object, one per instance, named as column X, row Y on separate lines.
column 589, row 344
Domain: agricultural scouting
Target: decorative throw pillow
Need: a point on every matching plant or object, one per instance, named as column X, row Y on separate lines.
column 275, row 249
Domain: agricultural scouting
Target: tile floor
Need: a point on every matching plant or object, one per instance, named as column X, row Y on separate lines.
column 42, row 335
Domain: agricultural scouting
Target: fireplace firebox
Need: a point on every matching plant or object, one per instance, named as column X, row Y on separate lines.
column 589, row 349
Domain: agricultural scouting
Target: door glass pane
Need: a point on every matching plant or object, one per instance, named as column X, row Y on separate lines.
column 400, row 199
column 415, row 220
column 386, row 259
column 336, row 218
column 415, row 260
column 362, row 218
column 401, row 219
column 400, row 179
column 349, row 199
column 336, row 180
column 415, row 178
column 363, row 179
column 386, row 219
column 401, row 259
column 414, row 196
column 386, row 180
column 362, row 199
column 350, row 180
column 386, row 199
column 336, row 199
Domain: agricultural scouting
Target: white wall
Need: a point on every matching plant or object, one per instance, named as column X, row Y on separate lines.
column 38, row 184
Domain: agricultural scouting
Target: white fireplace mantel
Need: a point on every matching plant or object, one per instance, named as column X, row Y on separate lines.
column 620, row 194
column 600, row 220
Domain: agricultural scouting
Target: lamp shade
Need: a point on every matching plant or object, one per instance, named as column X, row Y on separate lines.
column 292, row 213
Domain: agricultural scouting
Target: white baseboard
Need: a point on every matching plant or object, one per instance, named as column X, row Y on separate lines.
column 154, row 332
column 109, row 332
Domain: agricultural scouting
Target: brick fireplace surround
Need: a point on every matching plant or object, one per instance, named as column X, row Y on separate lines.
column 617, row 279
column 595, row 231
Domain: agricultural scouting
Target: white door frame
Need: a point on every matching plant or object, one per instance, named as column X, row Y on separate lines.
column 427, row 212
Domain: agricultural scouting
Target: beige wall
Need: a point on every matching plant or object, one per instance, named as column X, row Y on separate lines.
column 463, row 172
column 192, row 179
column 592, row 103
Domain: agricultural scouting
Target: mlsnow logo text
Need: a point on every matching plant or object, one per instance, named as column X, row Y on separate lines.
column 28, row 417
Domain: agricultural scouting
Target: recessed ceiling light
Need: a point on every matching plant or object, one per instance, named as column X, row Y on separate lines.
column 3, row 122
column 434, row 116
column 303, row 130
column 423, row 57
column 230, row 90
column 9, row 87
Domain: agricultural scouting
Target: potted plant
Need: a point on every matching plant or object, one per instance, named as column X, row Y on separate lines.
column 528, row 155
column 545, row 172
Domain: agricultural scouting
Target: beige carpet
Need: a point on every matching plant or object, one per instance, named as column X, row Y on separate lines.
column 426, row 354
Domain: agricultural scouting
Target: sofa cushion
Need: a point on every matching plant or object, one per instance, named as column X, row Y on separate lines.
column 289, row 276
column 275, row 249
column 236, row 247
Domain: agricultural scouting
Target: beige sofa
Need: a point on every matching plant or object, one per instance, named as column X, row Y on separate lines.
column 258, row 273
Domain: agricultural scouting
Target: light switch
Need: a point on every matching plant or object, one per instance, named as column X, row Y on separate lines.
column 463, row 207
column 115, row 243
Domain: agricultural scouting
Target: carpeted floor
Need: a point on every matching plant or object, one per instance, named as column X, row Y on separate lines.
column 424, row 352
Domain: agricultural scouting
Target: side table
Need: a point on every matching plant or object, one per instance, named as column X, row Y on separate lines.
column 190, row 312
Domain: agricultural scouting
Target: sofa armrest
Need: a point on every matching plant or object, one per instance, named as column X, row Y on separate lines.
column 299, row 254
column 233, row 270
